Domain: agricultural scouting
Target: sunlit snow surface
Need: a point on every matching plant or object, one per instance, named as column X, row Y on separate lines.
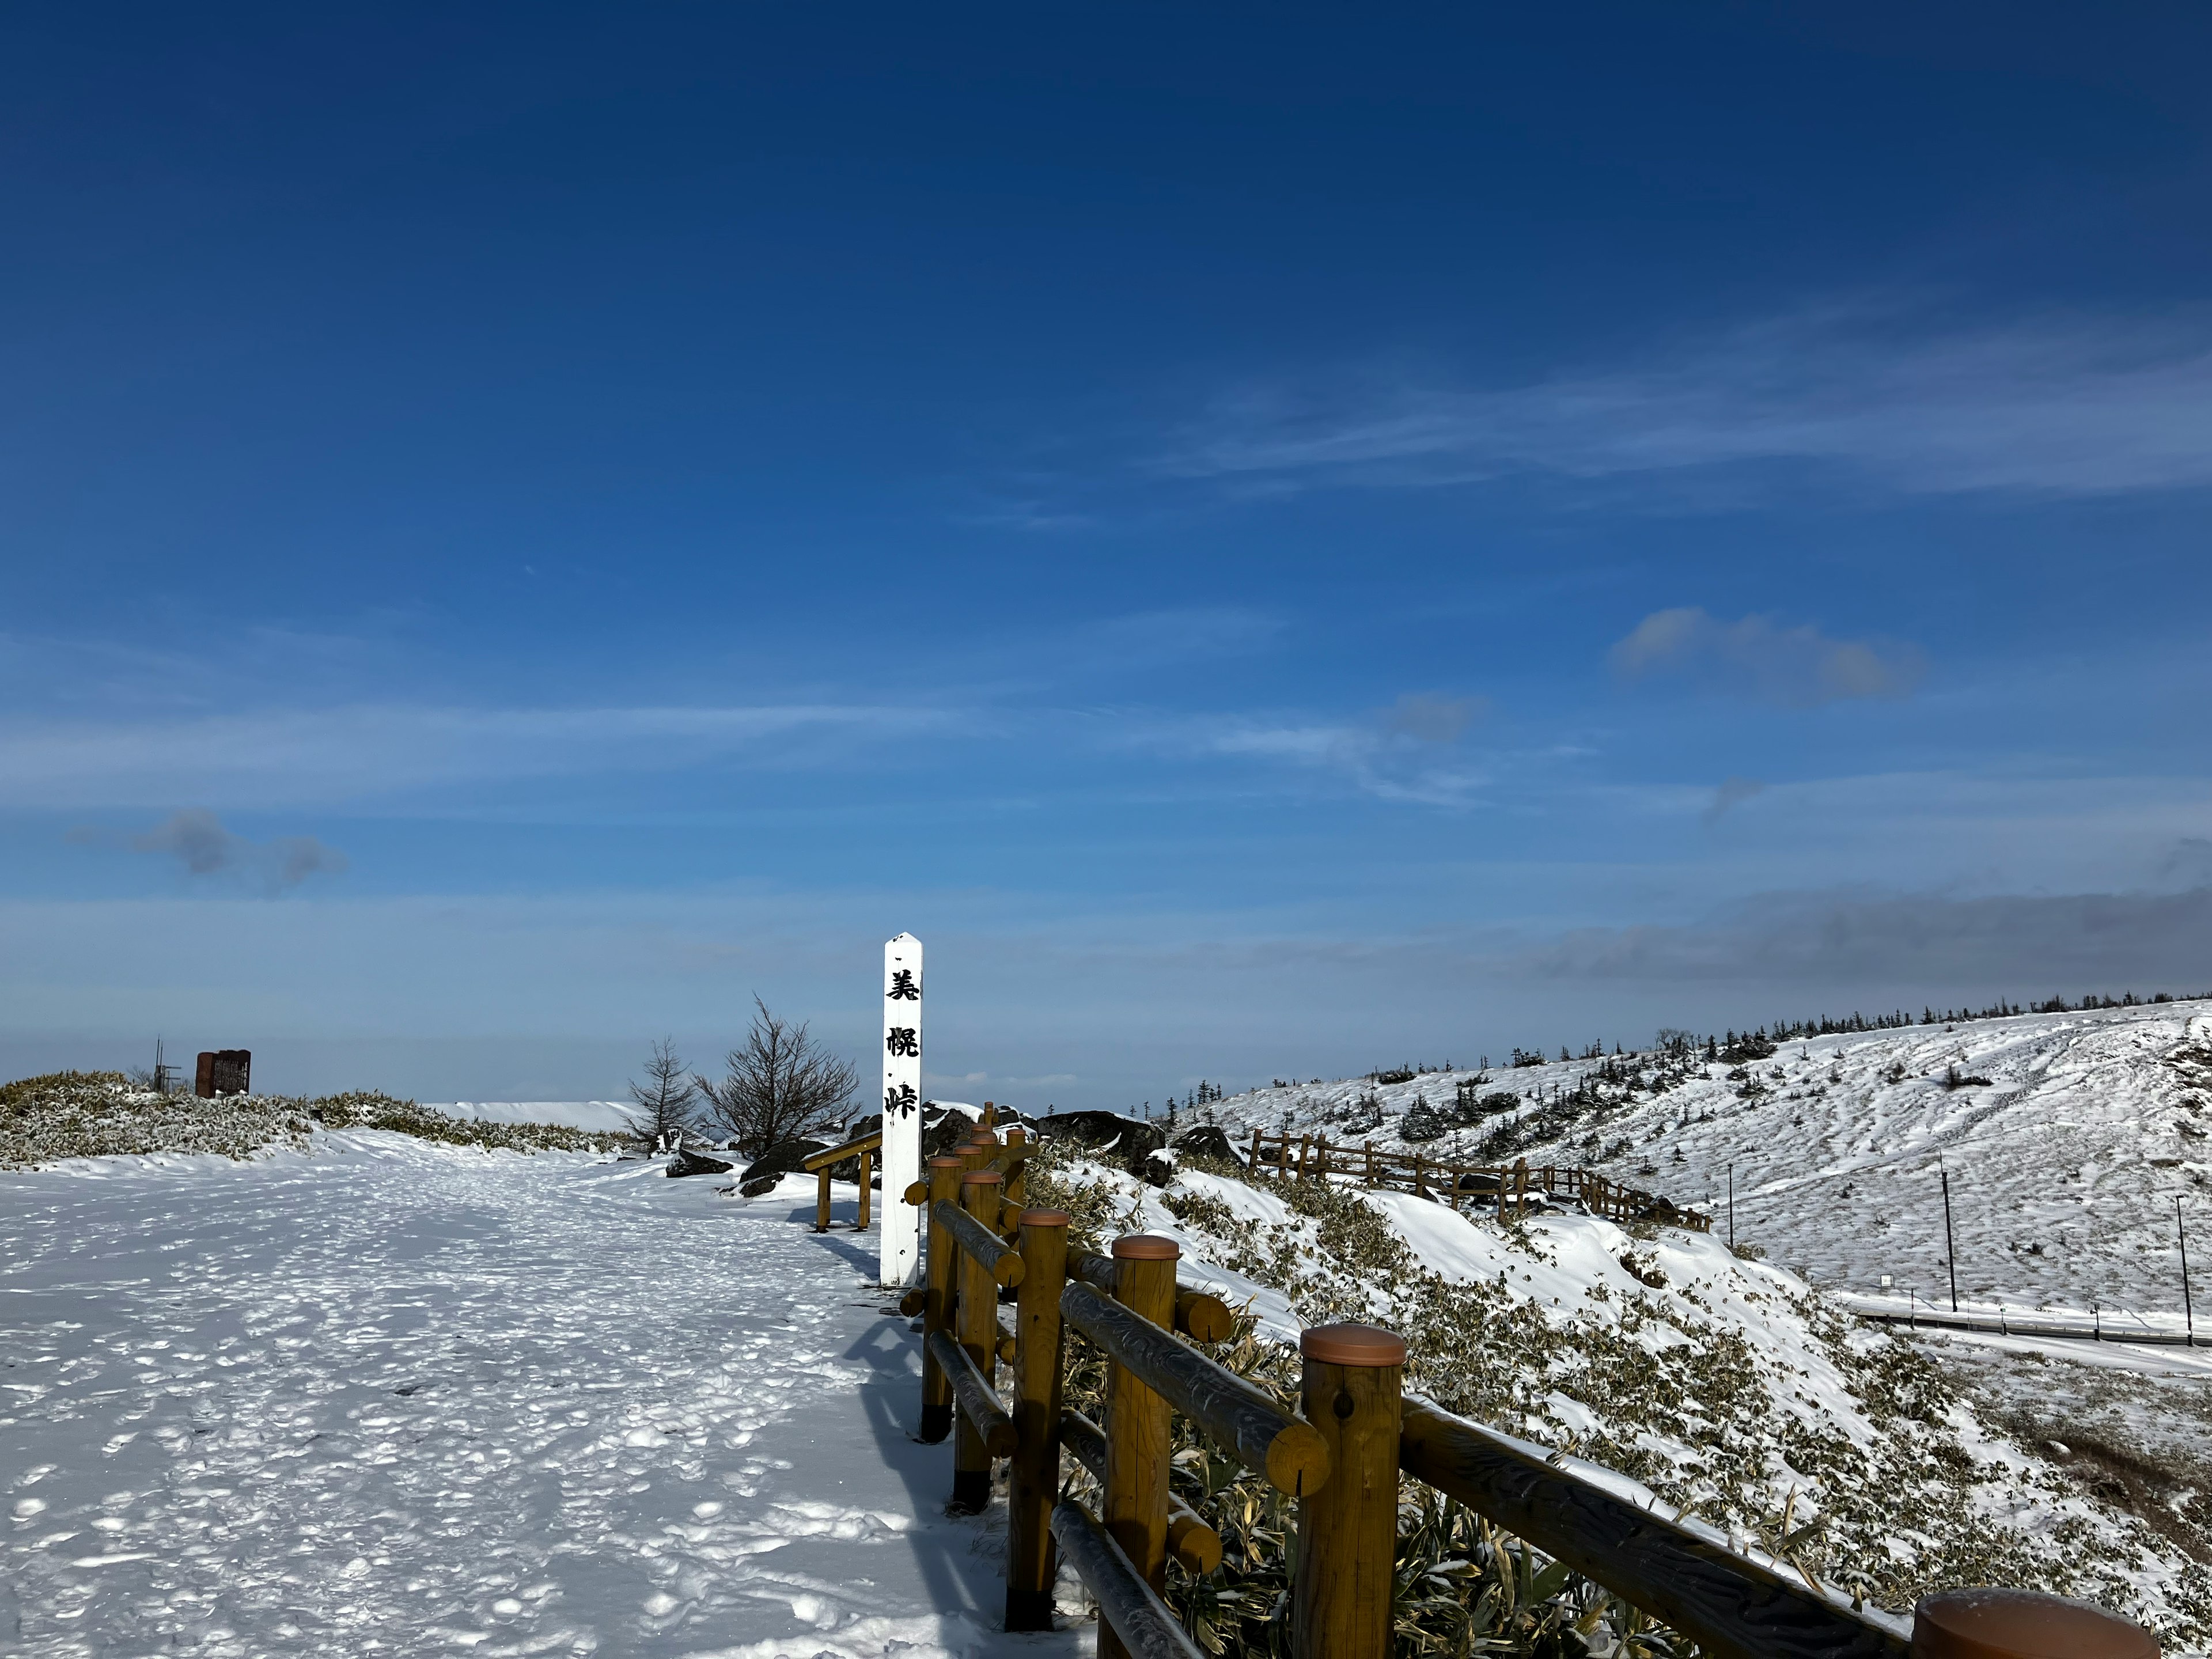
column 399, row 1398
column 2063, row 1170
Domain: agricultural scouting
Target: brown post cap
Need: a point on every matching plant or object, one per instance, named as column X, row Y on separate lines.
column 981, row 1178
column 945, row 1161
column 1353, row 1345
column 1145, row 1247
column 1044, row 1217
column 2016, row 1624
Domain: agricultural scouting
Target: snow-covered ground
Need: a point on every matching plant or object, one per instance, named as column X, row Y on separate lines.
column 396, row 1397
column 2063, row 1168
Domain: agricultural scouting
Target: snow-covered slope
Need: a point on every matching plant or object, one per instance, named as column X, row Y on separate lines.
column 2064, row 1165
column 1723, row 1385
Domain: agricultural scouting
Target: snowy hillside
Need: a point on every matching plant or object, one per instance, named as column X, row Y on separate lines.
column 2067, row 1138
column 1721, row 1384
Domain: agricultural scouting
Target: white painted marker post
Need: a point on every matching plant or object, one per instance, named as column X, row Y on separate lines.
column 902, row 1150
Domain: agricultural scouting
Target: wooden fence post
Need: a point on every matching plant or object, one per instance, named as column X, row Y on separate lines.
column 822, row 1199
column 867, row 1177
column 1137, row 1441
column 936, row 1301
column 1348, row 1530
column 1520, row 1188
column 1034, row 1483
column 1017, row 1184
column 1371, row 1165
column 2012, row 1623
column 977, row 1331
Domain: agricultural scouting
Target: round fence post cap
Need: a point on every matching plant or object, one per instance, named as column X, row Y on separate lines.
column 1367, row 1346
column 1044, row 1217
column 945, row 1161
column 2015, row 1623
column 1145, row 1247
column 981, row 1178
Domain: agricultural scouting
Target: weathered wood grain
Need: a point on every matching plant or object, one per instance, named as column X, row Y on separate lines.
column 1148, row 1629
column 1341, row 1587
column 1191, row 1541
column 997, row 1258
column 1034, row 1479
column 1199, row 1314
column 822, row 1160
column 1135, row 1502
column 1239, row 1418
column 979, row 1405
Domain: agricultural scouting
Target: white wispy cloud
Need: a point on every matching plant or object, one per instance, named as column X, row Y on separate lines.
column 2057, row 405
column 365, row 750
column 1404, row 753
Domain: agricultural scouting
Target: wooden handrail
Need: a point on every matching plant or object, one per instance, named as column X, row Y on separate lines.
column 1196, row 1544
column 977, row 1398
column 1000, row 1260
column 1198, row 1314
column 866, row 1143
column 1009, row 1162
column 1727, row 1603
column 1243, row 1421
column 1146, row 1625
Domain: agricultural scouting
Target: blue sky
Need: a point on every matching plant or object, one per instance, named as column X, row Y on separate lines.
column 1276, row 542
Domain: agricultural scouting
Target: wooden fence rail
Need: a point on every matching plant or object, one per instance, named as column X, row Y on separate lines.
column 865, row 1147
column 1341, row 1456
column 1500, row 1186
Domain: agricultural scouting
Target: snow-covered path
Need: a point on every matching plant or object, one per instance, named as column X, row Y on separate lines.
column 399, row 1398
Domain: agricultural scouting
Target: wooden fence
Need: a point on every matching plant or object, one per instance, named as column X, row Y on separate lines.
column 1339, row 1457
column 864, row 1148
column 1500, row 1186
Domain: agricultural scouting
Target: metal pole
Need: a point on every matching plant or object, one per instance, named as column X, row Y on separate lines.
column 1950, row 1250
column 2188, row 1314
column 1731, row 1207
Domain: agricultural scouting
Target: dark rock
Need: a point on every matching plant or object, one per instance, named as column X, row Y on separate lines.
column 1208, row 1140
column 943, row 1132
column 688, row 1162
column 778, row 1161
column 1128, row 1141
column 1104, row 1131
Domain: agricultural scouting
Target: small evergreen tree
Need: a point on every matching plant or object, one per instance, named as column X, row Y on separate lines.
column 667, row 1100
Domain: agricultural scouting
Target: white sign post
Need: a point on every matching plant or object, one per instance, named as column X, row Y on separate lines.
column 901, row 1149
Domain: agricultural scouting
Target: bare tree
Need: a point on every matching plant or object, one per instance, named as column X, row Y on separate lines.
column 782, row 1084
column 667, row 1100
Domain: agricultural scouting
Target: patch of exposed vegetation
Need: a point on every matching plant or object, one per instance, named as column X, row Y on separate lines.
column 67, row 1114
